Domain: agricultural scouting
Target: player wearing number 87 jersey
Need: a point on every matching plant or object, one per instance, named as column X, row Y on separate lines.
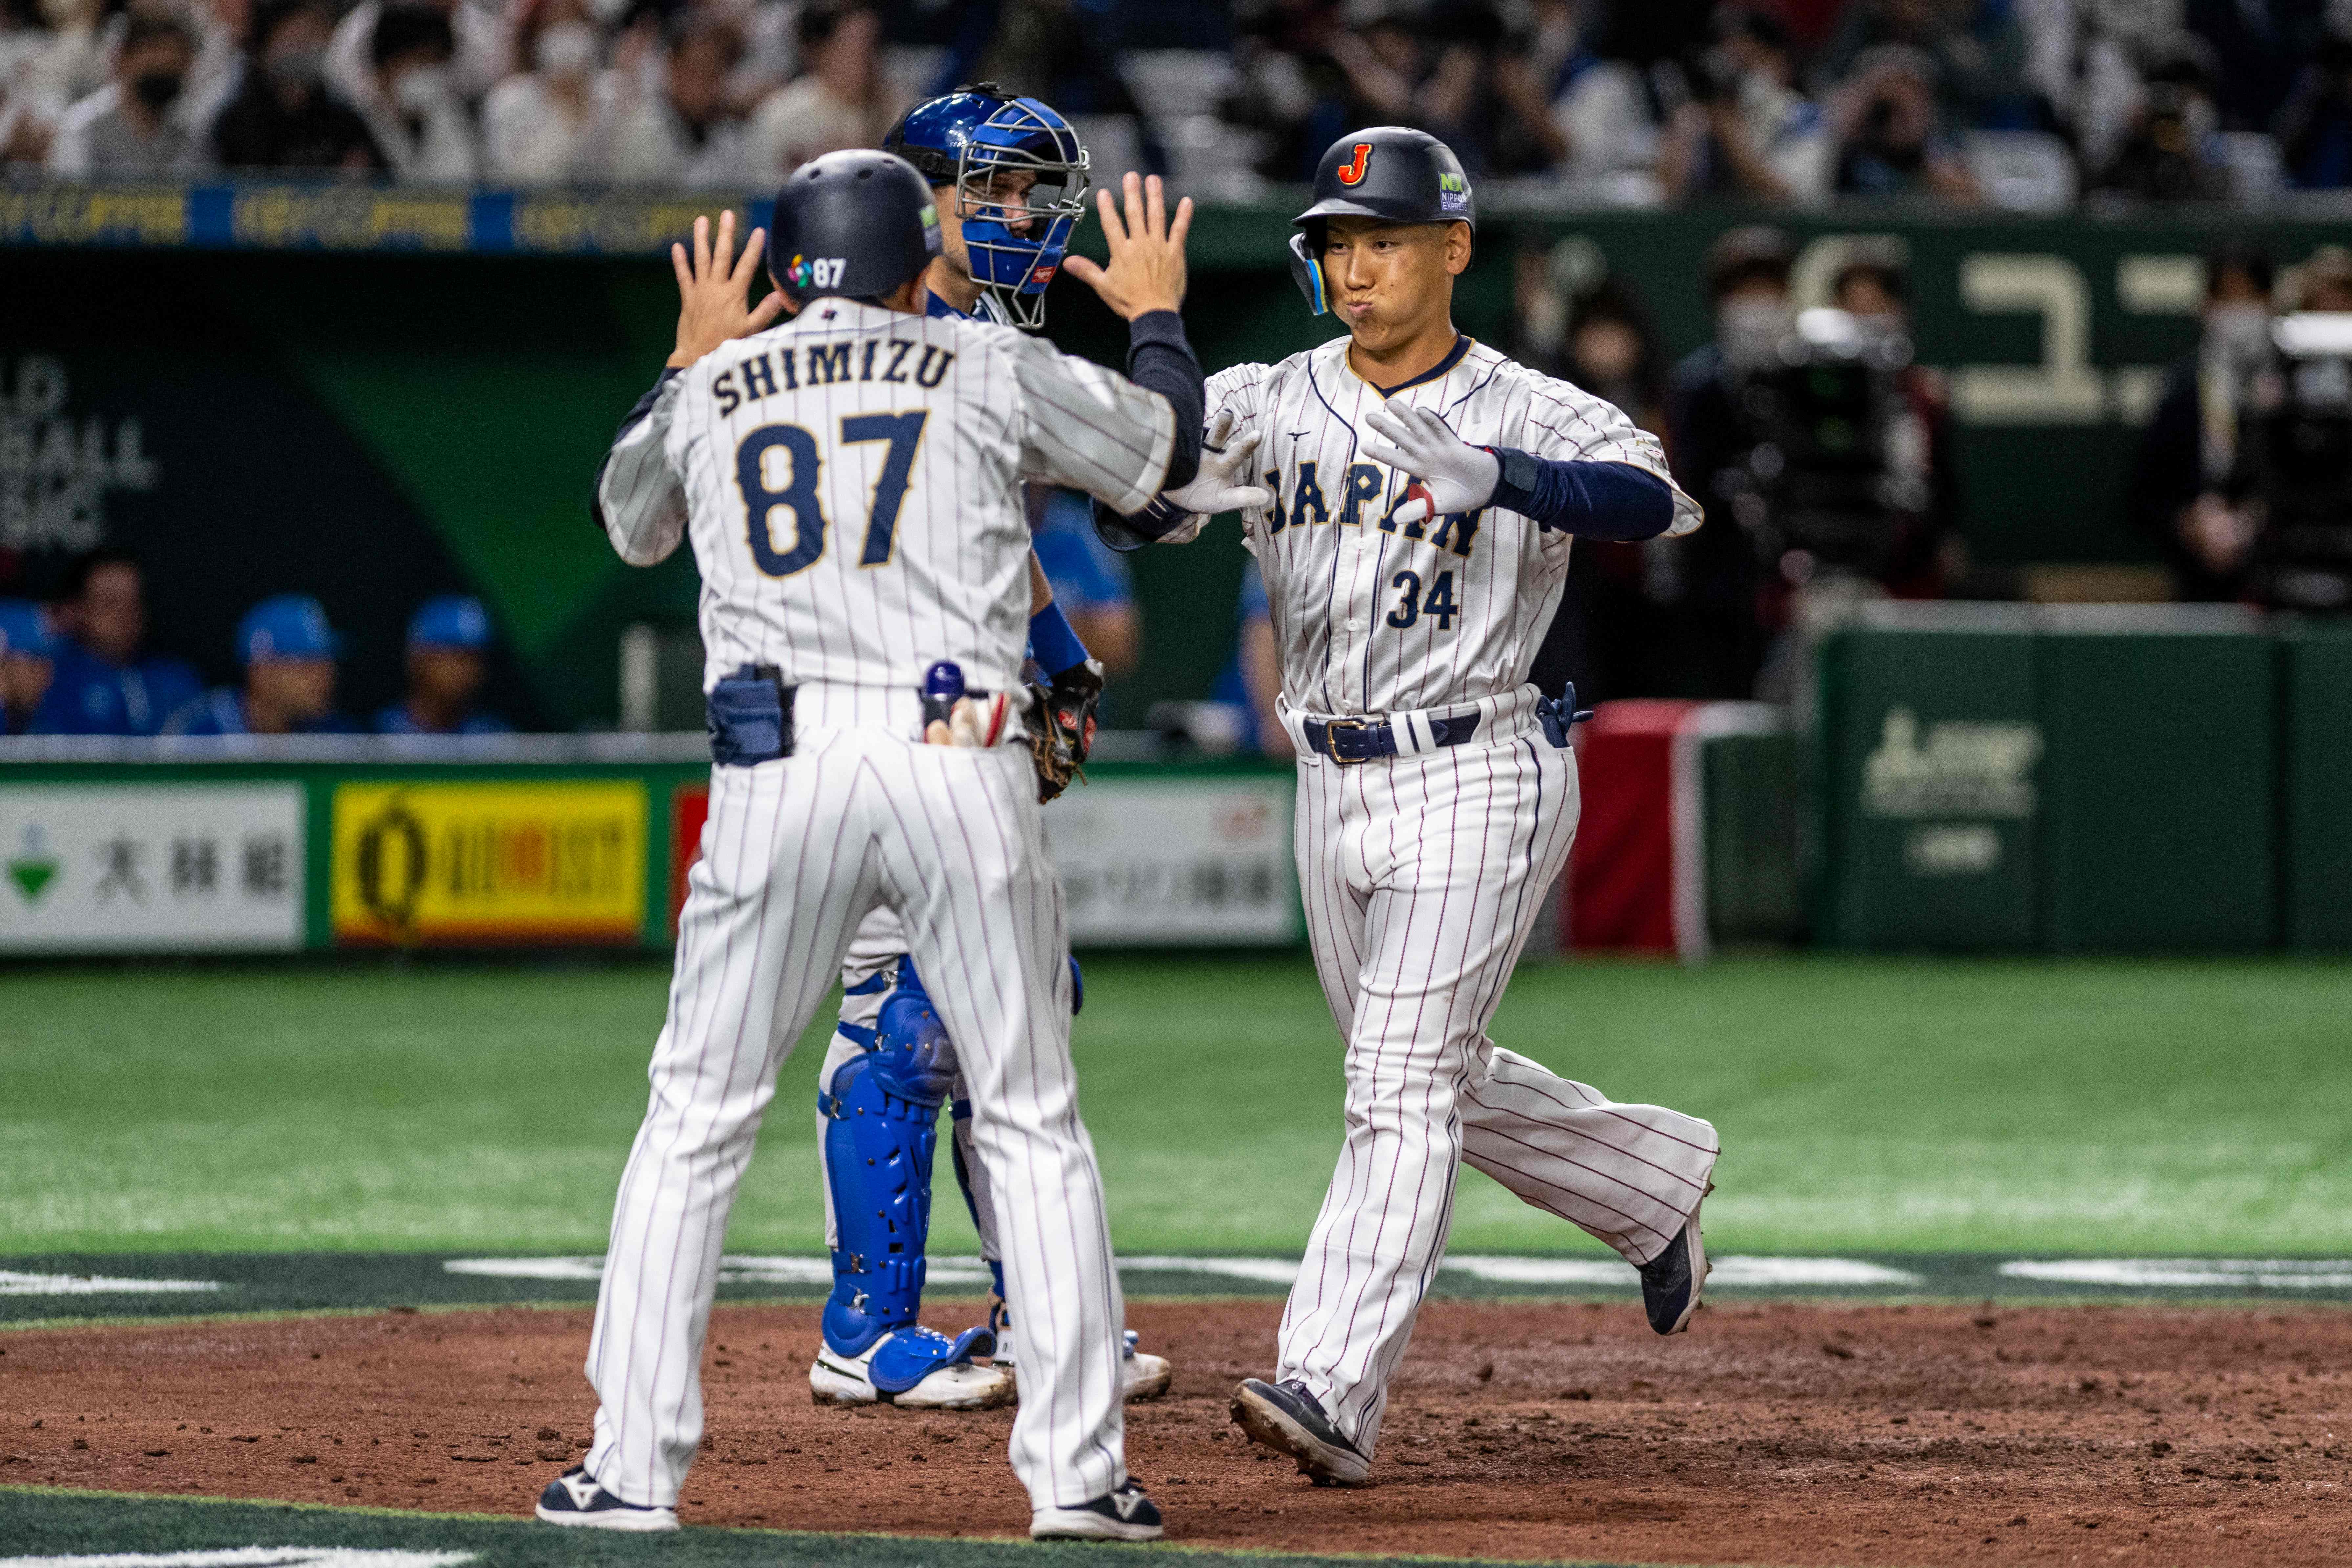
column 850, row 480
column 1411, row 497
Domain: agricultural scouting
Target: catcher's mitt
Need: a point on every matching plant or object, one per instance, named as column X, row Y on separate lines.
column 1061, row 725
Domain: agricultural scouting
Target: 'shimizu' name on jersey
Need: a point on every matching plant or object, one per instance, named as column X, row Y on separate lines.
column 1375, row 616
column 850, row 482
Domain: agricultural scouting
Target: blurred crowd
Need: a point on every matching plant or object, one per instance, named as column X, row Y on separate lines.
column 80, row 665
column 2014, row 103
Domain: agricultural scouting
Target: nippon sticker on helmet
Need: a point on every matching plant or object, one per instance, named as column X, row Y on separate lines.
column 1352, row 172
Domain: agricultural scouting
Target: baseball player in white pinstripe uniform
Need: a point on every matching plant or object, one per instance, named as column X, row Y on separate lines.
column 850, row 480
column 1410, row 496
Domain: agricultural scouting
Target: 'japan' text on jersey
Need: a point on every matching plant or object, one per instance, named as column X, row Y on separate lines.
column 1374, row 616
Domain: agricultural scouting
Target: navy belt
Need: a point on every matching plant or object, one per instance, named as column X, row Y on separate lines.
column 1363, row 739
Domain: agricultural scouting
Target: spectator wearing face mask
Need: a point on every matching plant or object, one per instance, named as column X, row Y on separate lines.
column 1711, row 643
column 284, row 115
column 684, row 134
column 2181, row 493
column 411, row 101
column 481, row 47
column 126, row 128
column 1920, row 486
column 837, row 102
column 554, row 120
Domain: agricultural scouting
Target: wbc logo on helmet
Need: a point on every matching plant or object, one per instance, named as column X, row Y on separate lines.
column 1351, row 172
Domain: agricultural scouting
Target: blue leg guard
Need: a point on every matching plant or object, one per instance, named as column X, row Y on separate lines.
column 881, row 1131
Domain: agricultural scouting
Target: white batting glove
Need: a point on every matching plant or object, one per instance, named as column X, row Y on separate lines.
column 1448, row 474
column 1222, row 484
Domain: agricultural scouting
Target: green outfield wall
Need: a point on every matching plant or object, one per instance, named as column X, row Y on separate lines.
column 2082, row 778
column 373, row 396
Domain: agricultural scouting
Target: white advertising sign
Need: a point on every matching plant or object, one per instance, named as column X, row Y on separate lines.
column 151, row 867
column 1177, row 860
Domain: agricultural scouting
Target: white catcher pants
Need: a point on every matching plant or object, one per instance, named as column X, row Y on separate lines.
column 794, row 853
column 1421, row 878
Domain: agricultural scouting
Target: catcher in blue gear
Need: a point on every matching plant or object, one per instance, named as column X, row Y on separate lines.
column 1008, row 180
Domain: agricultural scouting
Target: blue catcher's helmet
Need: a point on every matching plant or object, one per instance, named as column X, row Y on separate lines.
column 980, row 139
column 856, row 224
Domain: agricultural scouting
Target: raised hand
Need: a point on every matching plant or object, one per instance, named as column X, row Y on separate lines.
column 1147, row 251
column 713, row 285
column 1448, row 474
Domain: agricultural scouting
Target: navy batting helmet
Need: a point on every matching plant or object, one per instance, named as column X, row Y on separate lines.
column 1391, row 173
column 857, row 223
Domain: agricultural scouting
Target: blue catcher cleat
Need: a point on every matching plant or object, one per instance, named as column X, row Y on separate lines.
column 916, row 1367
column 881, row 1130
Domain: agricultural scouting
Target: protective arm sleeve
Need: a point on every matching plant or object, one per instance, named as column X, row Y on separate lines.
column 640, row 502
column 1590, row 499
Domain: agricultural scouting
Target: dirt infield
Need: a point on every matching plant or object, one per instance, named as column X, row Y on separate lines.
column 1774, row 1433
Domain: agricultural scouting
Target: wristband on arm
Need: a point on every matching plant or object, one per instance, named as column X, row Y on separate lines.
column 1052, row 642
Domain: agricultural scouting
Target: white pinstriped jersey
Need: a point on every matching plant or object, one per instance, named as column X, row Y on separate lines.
column 1372, row 617
column 851, row 480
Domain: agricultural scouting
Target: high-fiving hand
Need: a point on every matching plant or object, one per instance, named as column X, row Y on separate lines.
column 1222, row 484
column 1449, row 473
column 713, row 285
column 1147, row 251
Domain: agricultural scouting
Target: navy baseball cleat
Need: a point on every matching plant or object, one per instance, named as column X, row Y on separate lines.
column 1287, row 1418
column 575, row 1498
column 1122, row 1515
column 1671, row 1281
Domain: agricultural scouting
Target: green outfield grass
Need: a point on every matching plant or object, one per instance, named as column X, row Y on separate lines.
column 2107, row 1106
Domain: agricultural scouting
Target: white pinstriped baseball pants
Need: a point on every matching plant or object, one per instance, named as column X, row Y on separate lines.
column 793, row 855
column 1422, row 876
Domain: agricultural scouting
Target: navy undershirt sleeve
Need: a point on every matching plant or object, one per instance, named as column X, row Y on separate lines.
column 1590, row 499
column 1159, row 359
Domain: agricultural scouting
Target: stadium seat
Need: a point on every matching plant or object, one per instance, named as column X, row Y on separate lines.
column 2021, row 170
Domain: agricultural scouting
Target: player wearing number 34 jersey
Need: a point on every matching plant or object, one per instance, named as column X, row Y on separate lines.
column 1411, row 497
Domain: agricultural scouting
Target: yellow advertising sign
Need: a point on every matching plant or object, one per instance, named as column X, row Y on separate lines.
column 489, row 862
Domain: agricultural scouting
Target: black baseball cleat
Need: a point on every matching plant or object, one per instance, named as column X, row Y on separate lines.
column 1287, row 1418
column 1671, row 1281
column 1122, row 1515
column 575, row 1498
